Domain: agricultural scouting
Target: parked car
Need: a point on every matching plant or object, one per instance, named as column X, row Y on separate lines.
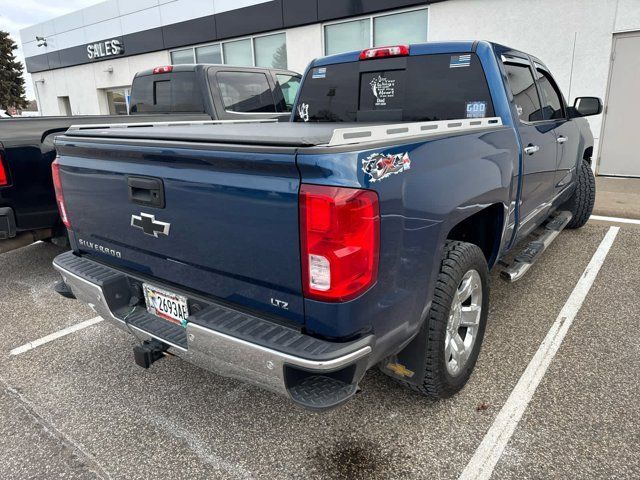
column 297, row 256
column 28, row 210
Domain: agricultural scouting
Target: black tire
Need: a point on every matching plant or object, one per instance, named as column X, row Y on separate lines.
column 581, row 202
column 458, row 259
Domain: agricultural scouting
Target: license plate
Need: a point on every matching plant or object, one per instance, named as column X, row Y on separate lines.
column 167, row 305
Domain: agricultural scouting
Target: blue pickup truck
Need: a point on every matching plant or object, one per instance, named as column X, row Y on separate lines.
column 296, row 256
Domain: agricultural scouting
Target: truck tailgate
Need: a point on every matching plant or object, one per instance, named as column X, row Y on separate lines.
column 226, row 227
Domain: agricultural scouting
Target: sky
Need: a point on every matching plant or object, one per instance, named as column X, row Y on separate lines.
column 18, row 14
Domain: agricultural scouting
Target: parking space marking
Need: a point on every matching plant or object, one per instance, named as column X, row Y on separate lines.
column 40, row 418
column 54, row 336
column 614, row 219
column 198, row 447
column 484, row 460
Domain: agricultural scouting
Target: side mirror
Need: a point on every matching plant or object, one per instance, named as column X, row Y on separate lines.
column 586, row 106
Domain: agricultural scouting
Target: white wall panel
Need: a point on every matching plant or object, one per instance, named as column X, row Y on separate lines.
column 29, row 34
column 45, row 93
column 120, row 76
column 48, row 29
column 181, row 10
column 103, row 30
column 140, row 21
column 628, row 17
column 68, row 39
column 100, row 12
column 130, row 6
column 303, row 45
column 68, row 22
column 58, row 81
column 31, row 49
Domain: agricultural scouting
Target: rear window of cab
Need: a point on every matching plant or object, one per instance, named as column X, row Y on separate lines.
column 403, row 89
column 175, row 92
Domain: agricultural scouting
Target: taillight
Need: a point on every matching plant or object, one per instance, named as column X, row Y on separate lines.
column 381, row 52
column 340, row 239
column 4, row 178
column 165, row 69
column 57, row 185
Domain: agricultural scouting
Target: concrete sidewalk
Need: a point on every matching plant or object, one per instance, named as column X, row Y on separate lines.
column 617, row 197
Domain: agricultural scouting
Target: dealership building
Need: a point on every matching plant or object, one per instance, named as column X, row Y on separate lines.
column 83, row 63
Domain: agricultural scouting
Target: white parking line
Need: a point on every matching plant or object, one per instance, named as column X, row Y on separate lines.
column 614, row 219
column 54, row 336
column 484, row 460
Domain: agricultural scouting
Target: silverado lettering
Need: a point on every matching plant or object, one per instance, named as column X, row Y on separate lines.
column 99, row 248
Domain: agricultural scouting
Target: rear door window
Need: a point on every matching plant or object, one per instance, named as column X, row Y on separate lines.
column 406, row 89
column 245, row 92
column 174, row 92
column 525, row 94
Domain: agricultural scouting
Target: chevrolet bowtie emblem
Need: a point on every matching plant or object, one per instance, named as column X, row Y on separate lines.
column 148, row 224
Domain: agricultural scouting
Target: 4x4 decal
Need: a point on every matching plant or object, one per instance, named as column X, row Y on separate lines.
column 380, row 165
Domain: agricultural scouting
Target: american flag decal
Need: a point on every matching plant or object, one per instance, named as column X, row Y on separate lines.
column 459, row 61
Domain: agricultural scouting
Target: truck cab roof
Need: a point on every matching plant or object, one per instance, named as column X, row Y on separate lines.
column 458, row 46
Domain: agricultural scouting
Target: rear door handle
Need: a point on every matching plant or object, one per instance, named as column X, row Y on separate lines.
column 531, row 149
column 561, row 139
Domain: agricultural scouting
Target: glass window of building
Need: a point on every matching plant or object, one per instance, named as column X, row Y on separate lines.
column 238, row 53
column 271, row 51
column 179, row 57
column 209, row 54
column 400, row 28
column 347, row 36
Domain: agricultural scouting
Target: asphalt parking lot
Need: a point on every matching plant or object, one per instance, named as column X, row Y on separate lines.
column 78, row 407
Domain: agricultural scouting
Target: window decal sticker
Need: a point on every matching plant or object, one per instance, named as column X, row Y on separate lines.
column 380, row 166
column 460, row 61
column 383, row 88
column 303, row 111
column 320, row 72
column 476, row 109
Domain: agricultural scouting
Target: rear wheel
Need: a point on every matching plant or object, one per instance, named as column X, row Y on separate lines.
column 581, row 202
column 456, row 321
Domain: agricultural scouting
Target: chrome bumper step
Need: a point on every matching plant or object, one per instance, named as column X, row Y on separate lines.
column 314, row 373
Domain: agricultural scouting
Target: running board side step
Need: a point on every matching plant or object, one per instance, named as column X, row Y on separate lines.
column 528, row 256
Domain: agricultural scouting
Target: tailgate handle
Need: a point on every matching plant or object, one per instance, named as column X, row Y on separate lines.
column 146, row 191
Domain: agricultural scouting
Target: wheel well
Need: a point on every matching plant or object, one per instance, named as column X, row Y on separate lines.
column 588, row 153
column 484, row 229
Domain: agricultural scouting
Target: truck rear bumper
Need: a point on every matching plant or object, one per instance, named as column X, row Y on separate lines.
column 315, row 373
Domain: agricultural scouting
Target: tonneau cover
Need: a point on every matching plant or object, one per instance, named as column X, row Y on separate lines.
column 277, row 134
